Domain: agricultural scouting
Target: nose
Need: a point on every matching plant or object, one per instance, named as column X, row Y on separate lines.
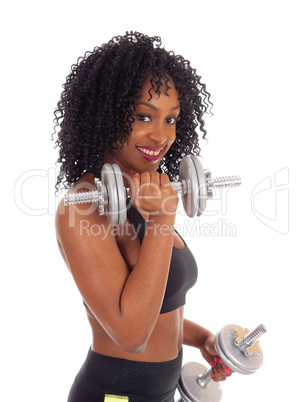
column 159, row 134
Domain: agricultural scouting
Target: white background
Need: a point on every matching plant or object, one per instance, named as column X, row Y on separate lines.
column 249, row 55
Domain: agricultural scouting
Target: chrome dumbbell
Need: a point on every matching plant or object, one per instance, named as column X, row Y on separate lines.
column 195, row 187
column 238, row 348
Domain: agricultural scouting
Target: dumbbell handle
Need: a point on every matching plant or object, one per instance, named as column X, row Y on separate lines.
column 179, row 186
column 249, row 339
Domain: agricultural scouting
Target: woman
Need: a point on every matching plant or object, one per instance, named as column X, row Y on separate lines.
column 132, row 103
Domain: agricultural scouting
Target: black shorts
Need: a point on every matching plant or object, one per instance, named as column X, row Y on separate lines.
column 139, row 381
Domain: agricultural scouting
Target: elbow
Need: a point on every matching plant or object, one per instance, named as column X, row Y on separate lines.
column 133, row 343
column 133, row 348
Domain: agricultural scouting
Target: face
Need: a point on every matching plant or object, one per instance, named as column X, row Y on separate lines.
column 153, row 131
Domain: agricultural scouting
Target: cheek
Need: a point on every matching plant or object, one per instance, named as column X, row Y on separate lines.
column 138, row 133
column 172, row 136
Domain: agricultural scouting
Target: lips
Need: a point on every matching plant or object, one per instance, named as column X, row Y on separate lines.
column 150, row 153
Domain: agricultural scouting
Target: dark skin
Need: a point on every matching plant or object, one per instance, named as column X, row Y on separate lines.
column 121, row 281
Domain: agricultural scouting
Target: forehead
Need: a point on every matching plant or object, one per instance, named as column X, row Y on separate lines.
column 152, row 90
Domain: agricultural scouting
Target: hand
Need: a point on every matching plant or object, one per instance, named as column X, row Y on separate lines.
column 154, row 194
column 220, row 372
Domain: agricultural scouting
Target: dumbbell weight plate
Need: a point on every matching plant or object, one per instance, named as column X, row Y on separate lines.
column 231, row 355
column 109, row 188
column 187, row 172
column 121, row 194
column 189, row 388
column 202, row 185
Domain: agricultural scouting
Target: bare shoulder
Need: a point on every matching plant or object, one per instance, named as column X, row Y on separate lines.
column 82, row 221
column 70, row 218
column 81, row 231
column 87, row 242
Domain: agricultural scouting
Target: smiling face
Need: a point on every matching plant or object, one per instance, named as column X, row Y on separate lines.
column 153, row 130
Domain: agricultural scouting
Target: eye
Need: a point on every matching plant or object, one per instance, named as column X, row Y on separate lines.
column 172, row 120
column 142, row 117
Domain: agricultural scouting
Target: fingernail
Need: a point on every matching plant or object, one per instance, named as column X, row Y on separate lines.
column 227, row 370
column 212, row 375
column 213, row 364
column 135, row 174
column 216, row 359
column 220, row 361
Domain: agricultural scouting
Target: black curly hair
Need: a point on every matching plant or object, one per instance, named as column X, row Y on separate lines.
column 102, row 89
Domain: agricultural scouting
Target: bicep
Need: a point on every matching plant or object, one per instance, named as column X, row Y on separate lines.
column 96, row 264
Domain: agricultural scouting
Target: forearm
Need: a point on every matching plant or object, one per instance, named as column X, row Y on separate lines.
column 144, row 289
column 193, row 334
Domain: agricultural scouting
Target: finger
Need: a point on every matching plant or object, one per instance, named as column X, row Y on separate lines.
column 136, row 180
column 221, row 370
column 164, row 180
column 154, row 183
column 226, row 370
column 135, row 184
column 145, row 182
column 217, row 376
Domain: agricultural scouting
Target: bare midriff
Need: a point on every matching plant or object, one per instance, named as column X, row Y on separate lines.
column 164, row 343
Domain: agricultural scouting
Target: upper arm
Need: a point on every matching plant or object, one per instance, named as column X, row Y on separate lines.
column 88, row 245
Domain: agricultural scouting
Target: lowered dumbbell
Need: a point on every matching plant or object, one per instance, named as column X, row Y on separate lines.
column 238, row 348
column 195, row 186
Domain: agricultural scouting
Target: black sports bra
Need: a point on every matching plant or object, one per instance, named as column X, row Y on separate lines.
column 183, row 268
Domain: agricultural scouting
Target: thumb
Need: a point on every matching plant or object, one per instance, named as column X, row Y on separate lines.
column 210, row 347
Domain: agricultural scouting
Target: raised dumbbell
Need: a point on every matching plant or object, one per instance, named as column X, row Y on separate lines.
column 195, row 186
column 238, row 348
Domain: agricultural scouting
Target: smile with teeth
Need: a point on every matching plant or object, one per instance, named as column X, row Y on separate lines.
column 149, row 152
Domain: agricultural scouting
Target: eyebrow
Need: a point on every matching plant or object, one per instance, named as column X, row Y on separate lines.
column 155, row 107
